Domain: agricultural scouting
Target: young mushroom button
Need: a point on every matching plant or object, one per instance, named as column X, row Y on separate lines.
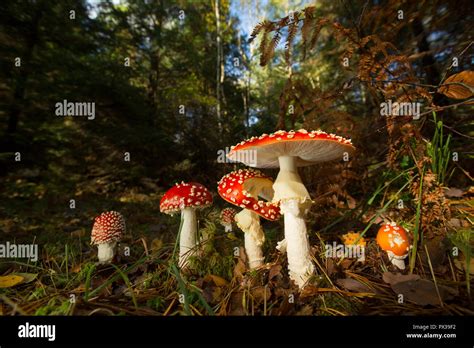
column 186, row 198
column 108, row 228
column 394, row 240
column 227, row 218
column 289, row 150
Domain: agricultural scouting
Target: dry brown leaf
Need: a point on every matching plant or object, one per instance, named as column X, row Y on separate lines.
column 353, row 285
column 218, row 281
column 417, row 290
column 260, row 293
column 453, row 192
column 212, row 294
column 239, row 269
column 456, row 91
column 309, row 291
column 394, row 278
column 274, row 271
column 423, row 292
column 27, row 277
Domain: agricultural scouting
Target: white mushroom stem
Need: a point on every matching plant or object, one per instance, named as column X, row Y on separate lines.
column 106, row 252
column 249, row 222
column 397, row 261
column 228, row 228
column 294, row 201
column 187, row 239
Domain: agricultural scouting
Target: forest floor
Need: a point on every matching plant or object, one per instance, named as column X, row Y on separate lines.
column 67, row 280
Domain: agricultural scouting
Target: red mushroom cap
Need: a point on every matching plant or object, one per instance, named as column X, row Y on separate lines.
column 394, row 238
column 310, row 147
column 185, row 195
column 108, row 227
column 227, row 216
column 236, row 186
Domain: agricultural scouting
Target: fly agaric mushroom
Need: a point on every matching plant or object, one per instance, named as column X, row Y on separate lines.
column 186, row 198
column 242, row 189
column 227, row 218
column 394, row 240
column 288, row 151
column 108, row 228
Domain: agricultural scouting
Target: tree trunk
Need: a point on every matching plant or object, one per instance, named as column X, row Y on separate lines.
column 219, row 76
column 16, row 108
column 154, row 94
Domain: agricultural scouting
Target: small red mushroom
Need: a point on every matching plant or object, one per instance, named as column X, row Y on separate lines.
column 108, row 228
column 186, row 198
column 394, row 240
column 227, row 218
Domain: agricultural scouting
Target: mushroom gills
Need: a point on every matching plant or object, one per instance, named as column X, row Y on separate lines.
column 288, row 184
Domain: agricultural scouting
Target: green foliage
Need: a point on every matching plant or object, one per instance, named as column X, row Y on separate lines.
column 438, row 149
column 55, row 307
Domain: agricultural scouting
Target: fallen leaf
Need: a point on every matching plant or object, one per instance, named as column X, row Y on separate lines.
column 456, row 91
column 235, row 303
column 10, row 280
column 394, row 278
column 239, row 269
column 309, row 291
column 218, row 281
column 346, row 263
column 76, row 268
column 437, row 249
column 353, row 285
column 455, row 223
column 27, row 277
column 212, row 294
column 331, row 267
column 453, row 192
column 417, row 290
column 274, row 271
column 261, row 293
column 243, row 254
column 423, row 292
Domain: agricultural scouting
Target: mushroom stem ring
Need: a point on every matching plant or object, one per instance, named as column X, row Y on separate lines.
column 294, row 202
